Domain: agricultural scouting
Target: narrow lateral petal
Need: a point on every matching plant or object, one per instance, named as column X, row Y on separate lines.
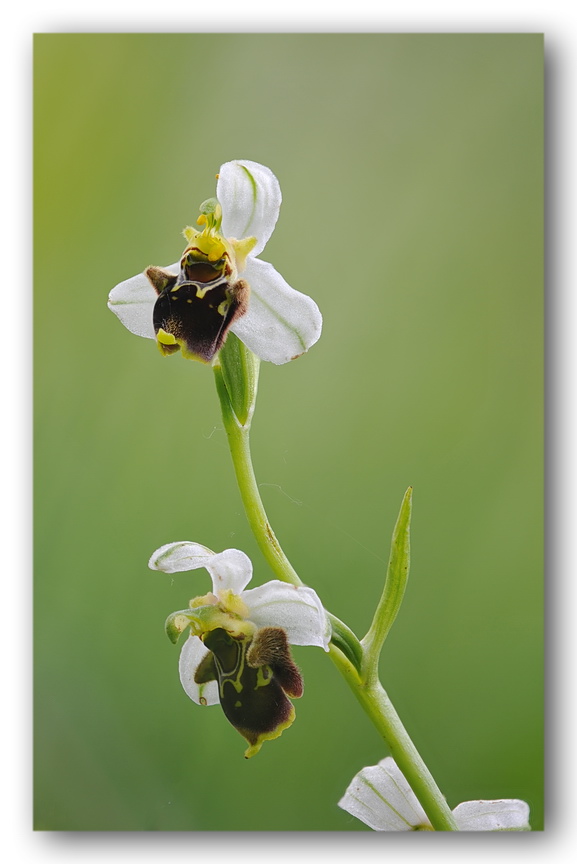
column 380, row 797
column 507, row 814
column 298, row 610
column 280, row 323
column 229, row 570
column 192, row 654
column 132, row 301
column 250, row 197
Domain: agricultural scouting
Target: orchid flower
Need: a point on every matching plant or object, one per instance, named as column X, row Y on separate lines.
column 380, row 796
column 191, row 305
column 237, row 652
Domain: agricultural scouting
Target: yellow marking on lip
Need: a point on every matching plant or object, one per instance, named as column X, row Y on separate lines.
column 268, row 736
column 166, row 338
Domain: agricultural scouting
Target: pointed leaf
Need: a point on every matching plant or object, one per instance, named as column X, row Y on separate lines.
column 394, row 589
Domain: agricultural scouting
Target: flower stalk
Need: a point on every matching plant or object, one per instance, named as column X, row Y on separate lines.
column 239, row 443
column 357, row 661
column 236, row 384
column 382, row 714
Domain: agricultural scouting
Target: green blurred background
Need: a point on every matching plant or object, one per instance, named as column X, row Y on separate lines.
column 412, row 169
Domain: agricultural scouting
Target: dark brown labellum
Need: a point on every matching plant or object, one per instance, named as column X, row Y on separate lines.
column 197, row 312
column 254, row 677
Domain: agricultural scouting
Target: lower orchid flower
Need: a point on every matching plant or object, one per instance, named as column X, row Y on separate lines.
column 219, row 284
column 237, row 652
column 380, row 796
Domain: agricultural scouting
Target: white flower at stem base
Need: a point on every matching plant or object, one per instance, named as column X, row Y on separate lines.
column 238, row 652
column 380, row 796
column 219, row 283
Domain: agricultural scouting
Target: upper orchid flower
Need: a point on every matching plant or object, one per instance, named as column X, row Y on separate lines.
column 192, row 304
column 238, row 648
column 380, row 796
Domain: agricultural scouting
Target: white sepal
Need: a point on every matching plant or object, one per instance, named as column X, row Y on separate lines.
column 297, row 609
column 507, row 814
column 380, row 797
column 192, row 654
column 250, row 197
column 280, row 323
column 132, row 301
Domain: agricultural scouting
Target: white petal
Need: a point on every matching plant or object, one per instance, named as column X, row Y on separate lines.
column 133, row 302
column 298, row 610
column 250, row 197
column 280, row 323
column 380, row 797
column 193, row 652
column 231, row 569
column 508, row 814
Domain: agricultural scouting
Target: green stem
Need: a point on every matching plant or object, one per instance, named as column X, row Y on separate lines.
column 381, row 711
column 239, row 443
column 345, row 650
